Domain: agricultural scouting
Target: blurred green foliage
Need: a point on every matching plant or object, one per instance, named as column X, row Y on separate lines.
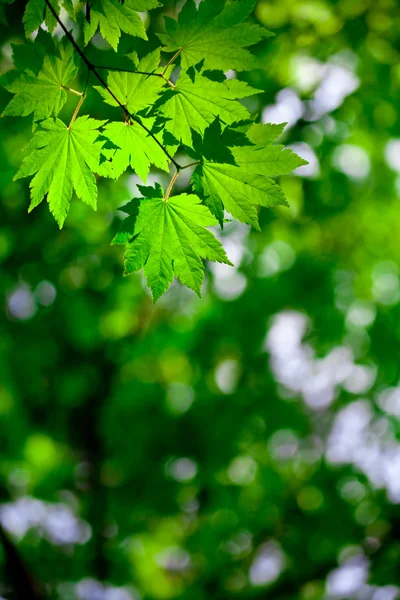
column 245, row 445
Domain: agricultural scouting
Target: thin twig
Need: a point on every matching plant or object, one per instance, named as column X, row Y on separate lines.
column 24, row 586
column 92, row 69
column 171, row 184
column 133, row 71
column 192, row 164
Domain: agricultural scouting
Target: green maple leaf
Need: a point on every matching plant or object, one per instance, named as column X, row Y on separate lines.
column 114, row 16
column 240, row 89
column 240, row 187
column 239, row 191
column 62, row 160
column 195, row 104
column 214, row 33
column 41, row 93
column 215, row 146
column 135, row 148
column 37, row 12
column 269, row 160
column 262, row 135
column 169, row 238
column 135, row 92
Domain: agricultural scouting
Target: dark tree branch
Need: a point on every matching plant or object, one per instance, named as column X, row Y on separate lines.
column 93, row 69
column 133, row 71
column 23, row 585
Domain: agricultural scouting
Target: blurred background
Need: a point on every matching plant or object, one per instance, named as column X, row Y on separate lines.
column 241, row 446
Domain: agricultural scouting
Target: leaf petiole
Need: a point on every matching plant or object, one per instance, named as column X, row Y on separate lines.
column 171, row 60
column 68, row 89
column 76, row 111
column 171, row 185
column 175, row 177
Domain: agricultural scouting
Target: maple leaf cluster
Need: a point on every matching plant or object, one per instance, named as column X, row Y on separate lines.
column 162, row 109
